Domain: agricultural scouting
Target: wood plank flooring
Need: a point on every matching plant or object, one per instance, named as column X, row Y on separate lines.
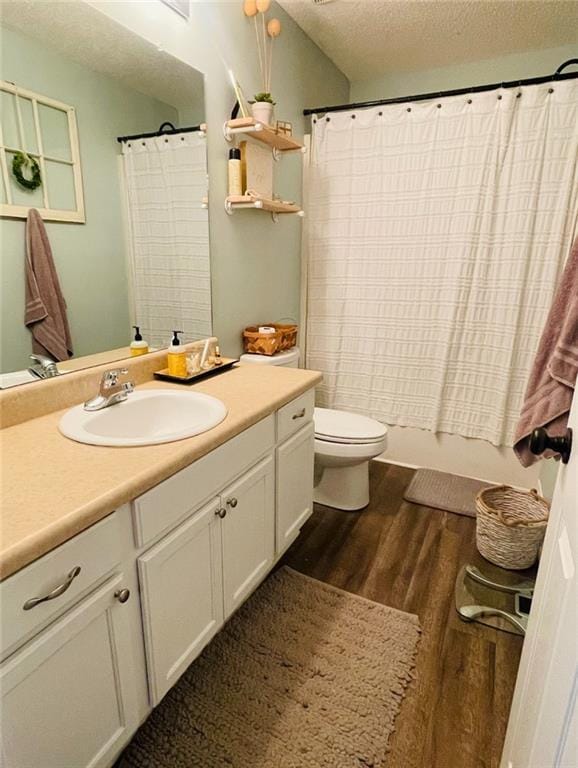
column 408, row 557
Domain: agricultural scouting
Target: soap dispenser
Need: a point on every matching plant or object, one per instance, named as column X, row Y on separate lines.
column 139, row 346
column 177, row 357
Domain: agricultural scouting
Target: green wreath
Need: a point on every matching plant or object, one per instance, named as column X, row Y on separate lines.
column 22, row 160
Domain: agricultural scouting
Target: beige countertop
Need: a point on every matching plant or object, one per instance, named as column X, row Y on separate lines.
column 53, row 488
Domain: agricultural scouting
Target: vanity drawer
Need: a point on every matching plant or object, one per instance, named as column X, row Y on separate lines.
column 295, row 415
column 95, row 552
column 165, row 505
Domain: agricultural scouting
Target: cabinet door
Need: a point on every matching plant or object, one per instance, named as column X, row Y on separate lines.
column 182, row 597
column 294, row 485
column 68, row 697
column 248, row 532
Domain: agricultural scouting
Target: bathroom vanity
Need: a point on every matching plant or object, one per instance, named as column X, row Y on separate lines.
column 100, row 627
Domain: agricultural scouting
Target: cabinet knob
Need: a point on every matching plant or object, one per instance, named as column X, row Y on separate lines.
column 232, row 502
column 122, row 595
column 222, row 512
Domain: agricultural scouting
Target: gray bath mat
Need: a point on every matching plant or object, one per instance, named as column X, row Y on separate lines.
column 441, row 490
column 303, row 676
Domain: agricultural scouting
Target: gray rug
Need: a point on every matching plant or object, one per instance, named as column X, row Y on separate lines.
column 441, row 490
column 303, row 676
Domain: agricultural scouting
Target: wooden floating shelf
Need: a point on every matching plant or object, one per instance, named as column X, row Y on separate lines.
column 275, row 207
column 262, row 132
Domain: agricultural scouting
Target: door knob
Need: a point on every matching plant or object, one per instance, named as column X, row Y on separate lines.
column 122, row 595
column 222, row 512
column 232, row 502
column 541, row 441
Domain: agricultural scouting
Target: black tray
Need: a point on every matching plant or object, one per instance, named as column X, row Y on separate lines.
column 226, row 365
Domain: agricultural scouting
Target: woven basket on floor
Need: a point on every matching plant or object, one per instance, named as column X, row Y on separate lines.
column 510, row 526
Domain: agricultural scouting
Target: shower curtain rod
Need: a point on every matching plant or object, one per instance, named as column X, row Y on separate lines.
column 166, row 132
column 456, row 92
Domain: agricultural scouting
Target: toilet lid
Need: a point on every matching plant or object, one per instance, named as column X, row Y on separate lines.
column 342, row 427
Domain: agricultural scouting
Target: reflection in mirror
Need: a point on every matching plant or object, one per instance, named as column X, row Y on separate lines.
column 122, row 234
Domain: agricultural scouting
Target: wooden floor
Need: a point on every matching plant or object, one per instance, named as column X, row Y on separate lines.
column 408, row 556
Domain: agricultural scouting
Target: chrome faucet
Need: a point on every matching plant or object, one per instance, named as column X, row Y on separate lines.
column 43, row 367
column 111, row 390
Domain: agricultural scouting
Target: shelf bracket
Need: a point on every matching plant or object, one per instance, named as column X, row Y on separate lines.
column 229, row 133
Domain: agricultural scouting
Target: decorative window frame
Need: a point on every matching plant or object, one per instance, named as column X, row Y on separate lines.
column 18, row 211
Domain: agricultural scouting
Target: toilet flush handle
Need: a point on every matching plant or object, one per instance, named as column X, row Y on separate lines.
column 299, row 415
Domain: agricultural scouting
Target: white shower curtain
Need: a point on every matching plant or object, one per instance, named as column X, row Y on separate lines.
column 437, row 231
column 166, row 181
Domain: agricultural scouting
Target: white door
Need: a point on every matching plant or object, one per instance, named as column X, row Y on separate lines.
column 68, row 696
column 543, row 727
column 182, row 597
column 295, row 459
column 248, row 532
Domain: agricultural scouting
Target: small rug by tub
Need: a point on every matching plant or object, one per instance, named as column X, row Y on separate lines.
column 303, row 676
column 441, row 490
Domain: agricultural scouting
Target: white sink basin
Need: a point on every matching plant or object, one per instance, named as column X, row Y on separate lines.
column 145, row 418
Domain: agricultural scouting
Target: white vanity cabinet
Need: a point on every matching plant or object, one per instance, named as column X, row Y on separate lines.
column 182, row 597
column 71, row 680
column 68, row 696
column 196, row 576
column 294, row 485
column 130, row 602
column 248, row 525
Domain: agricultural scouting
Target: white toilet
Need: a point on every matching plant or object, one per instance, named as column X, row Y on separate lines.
column 344, row 444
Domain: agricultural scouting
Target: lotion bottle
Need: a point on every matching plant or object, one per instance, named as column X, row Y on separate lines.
column 139, row 346
column 235, row 173
column 177, row 357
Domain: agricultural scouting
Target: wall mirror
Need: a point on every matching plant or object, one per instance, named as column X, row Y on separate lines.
column 113, row 128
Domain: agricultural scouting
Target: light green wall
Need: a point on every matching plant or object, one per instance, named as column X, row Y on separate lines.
column 90, row 258
column 511, row 67
column 255, row 263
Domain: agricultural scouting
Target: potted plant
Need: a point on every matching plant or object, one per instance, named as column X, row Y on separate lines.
column 262, row 108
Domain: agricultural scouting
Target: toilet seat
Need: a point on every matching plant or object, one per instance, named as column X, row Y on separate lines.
column 333, row 426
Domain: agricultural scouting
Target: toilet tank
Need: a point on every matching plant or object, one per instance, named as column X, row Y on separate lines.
column 288, row 359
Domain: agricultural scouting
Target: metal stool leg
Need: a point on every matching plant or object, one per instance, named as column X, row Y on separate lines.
column 525, row 587
column 473, row 612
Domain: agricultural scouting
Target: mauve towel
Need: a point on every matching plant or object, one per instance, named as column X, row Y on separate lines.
column 45, row 312
column 553, row 378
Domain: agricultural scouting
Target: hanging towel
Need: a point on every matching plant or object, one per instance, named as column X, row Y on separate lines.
column 45, row 311
column 553, row 378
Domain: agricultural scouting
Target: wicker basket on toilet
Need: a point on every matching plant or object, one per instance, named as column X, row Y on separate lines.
column 510, row 526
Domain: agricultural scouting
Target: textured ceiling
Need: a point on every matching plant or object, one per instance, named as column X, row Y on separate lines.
column 367, row 38
column 93, row 39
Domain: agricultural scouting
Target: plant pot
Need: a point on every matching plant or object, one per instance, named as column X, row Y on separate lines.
column 263, row 112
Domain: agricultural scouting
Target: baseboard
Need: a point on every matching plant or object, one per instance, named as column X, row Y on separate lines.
column 384, row 460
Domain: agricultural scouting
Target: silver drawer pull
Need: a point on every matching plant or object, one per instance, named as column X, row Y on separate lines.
column 56, row 592
column 299, row 415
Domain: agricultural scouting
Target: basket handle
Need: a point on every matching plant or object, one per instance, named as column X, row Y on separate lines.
column 529, row 524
